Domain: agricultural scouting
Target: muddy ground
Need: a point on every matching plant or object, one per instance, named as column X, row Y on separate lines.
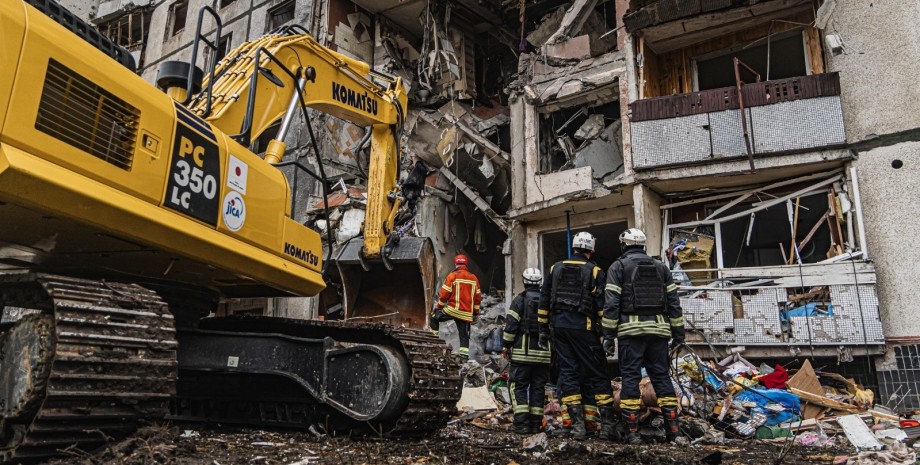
column 460, row 443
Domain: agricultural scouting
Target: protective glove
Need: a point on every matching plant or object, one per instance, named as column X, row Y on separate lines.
column 505, row 354
column 676, row 342
column 543, row 342
column 610, row 346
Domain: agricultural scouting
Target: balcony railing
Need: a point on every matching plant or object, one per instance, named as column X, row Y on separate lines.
column 783, row 116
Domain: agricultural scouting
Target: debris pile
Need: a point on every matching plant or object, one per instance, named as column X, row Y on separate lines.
column 726, row 403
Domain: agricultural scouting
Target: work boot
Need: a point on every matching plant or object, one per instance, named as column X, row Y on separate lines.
column 631, row 426
column 521, row 424
column 671, row 427
column 536, row 423
column 608, row 423
column 577, row 414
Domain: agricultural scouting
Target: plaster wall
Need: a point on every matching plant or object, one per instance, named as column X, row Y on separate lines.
column 84, row 9
column 889, row 207
column 542, row 187
column 647, row 205
column 879, row 67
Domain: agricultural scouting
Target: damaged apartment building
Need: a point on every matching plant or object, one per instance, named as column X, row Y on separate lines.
column 762, row 145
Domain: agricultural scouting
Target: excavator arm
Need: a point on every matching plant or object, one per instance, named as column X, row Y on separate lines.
column 260, row 86
column 266, row 81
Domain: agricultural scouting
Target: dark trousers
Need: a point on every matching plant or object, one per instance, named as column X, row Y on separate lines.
column 651, row 352
column 582, row 364
column 528, row 387
column 463, row 328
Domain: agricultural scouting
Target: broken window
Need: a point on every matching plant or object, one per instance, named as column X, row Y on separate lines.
column 787, row 223
column 776, row 57
column 178, row 13
column 280, row 15
column 225, row 3
column 582, row 137
column 129, row 30
column 673, row 62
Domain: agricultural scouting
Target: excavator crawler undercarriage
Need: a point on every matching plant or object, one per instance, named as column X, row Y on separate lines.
column 85, row 361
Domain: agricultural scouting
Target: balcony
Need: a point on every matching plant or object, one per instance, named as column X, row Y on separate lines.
column 783, row 116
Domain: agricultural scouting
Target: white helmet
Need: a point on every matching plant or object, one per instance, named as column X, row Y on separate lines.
column 533, row 276
column 632, row 236
column 584, row 240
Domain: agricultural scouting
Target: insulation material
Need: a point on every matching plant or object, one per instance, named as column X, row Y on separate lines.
column 697, row 255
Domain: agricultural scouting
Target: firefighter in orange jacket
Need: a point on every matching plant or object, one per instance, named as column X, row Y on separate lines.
column 459, row 301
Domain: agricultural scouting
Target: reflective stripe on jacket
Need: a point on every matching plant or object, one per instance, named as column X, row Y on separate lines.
column 524, row 345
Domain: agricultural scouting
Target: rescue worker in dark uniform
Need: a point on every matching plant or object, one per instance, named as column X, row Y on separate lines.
column 571, row 305
column 529, row 362
column 642, row 309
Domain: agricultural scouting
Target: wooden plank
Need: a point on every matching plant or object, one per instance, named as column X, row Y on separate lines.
column 813, row 49
column 823, row 401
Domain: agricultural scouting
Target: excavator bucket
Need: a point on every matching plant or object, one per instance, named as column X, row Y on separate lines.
column 398, row 290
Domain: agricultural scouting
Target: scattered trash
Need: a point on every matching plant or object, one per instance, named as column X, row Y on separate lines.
column 891, row 436
column 537, row 441
column 814, row 439
column 898, row 454
column 189, row 434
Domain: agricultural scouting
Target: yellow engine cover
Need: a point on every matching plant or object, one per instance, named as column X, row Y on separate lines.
column 103, row 175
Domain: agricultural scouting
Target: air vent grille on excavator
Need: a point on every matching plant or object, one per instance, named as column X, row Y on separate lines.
column 77, row 111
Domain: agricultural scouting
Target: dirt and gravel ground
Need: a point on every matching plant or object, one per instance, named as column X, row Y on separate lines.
column 457, row 444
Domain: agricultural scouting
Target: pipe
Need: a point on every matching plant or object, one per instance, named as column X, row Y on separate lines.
column 568, row 235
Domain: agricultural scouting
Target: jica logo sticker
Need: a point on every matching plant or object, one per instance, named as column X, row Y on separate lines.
column 234, row 211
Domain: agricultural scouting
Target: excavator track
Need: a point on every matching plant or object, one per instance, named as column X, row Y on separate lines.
column 430, row 391
column 83, row 362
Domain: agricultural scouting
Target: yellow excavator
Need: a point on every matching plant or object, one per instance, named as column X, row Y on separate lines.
column 127, row 214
